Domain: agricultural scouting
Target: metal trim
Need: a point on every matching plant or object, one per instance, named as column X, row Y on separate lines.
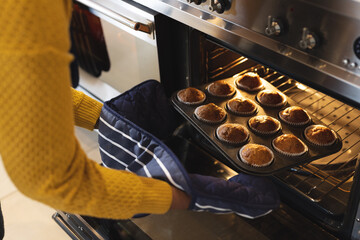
column 356, row 228
column 124, row 20
column 76, row 227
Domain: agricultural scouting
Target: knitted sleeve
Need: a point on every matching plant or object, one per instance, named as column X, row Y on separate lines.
column 86, row 109
column 37, row 141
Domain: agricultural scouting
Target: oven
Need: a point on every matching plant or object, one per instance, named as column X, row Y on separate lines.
column 310, row 51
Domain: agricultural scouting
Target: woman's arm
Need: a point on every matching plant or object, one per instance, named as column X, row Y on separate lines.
column 37, row 141
column 86, row 110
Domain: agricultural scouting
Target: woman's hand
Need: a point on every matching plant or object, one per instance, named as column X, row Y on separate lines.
column 181, row 200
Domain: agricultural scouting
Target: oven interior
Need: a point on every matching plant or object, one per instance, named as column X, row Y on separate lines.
column 323, row 189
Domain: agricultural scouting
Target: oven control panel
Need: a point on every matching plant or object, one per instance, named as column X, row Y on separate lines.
column 316, row 42
column 332, row 36
column 354, row 64
column 218, row 6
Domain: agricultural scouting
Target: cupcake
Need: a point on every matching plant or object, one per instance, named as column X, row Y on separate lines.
column 210, row 113
column 264, row 124
column 270, row 98
column 256, row 155
column 241, row 106
column 191, row 96
column 232, row 133
column 249, row 81
column 294, row 116
column 289, row 145
column 221, row 88
column 320, row 135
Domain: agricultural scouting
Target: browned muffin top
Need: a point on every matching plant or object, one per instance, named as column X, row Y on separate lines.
column 241, row 105
column 320, row 135
column 210, row 113
column 289, row 143
column 256, row 155
column 249, row 81
column 221, row 88
column 294, row 114
column 190, row 95
column 269, row 97
column 264, row 124
column 232, row 133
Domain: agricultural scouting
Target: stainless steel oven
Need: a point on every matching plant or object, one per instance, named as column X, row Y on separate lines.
column 309, row 50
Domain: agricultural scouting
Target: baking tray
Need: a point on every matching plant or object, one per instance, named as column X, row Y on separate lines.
column 231, row 152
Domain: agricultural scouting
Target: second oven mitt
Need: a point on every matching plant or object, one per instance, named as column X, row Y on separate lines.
column 245, row 195
column 130, row 128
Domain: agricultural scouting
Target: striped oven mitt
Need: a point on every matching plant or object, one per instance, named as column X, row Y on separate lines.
column 130, row 128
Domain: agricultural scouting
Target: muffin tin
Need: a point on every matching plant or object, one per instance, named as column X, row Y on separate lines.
column 231, row 152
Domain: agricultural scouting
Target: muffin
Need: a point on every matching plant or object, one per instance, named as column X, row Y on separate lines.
column 290, row 145
column 210, row 113
column 241, row 106
column 294, row 116
column 271, row 98
column 256, row 155
column 221, row 88
column 232, row 133
column 320, row 135
column 264, row 124
column 191, row 96
column 249, row 81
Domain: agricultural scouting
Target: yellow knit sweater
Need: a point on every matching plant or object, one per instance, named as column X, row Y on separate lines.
column 37, row 141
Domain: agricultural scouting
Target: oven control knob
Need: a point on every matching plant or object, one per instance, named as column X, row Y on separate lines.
column 308, row 40
column 357, row 47
column 217, row 6
column 274, row 26
column 197, row 2
column 348, row 64
column 352, row 65
column 345, row 61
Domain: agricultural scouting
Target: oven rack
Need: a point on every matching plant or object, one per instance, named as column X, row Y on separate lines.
column 326, row 181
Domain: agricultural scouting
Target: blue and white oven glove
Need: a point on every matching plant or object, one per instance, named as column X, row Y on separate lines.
column 130, row 128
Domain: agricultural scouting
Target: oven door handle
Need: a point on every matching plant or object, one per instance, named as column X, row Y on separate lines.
column 133, row 24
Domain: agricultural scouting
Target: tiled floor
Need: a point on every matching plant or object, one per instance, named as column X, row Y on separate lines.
column 28, row 219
